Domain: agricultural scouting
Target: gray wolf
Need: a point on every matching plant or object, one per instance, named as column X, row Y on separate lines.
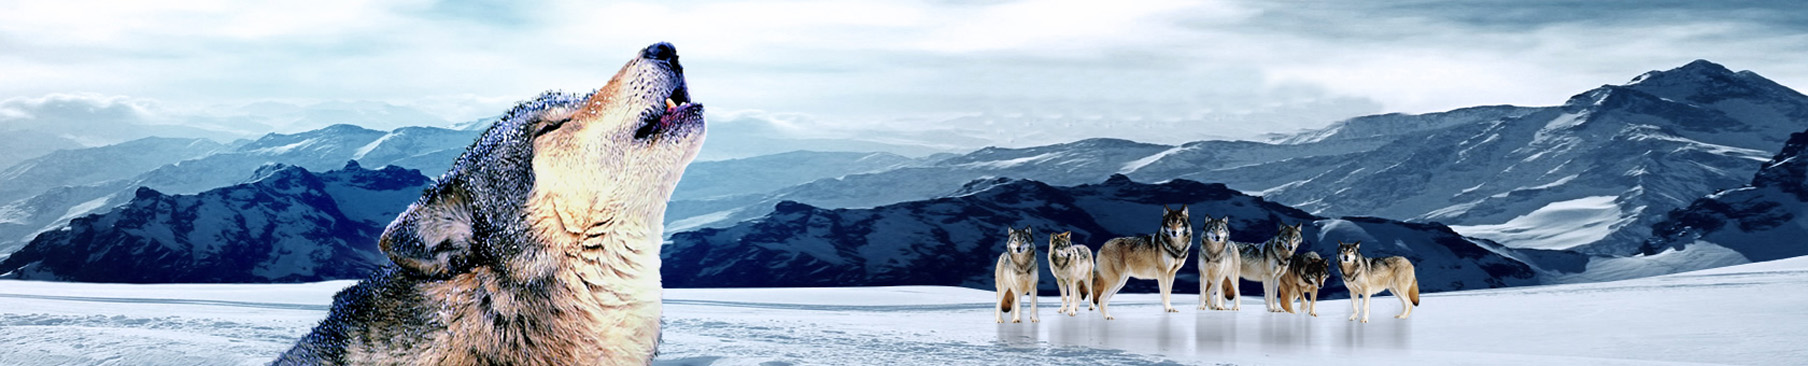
column 1219, row 264
column 540, row 246
column 1368, row 276
column 1016, row 275
column 1156, row 257
column 1266, row 261
column 1072, row 265
column 1305, row 274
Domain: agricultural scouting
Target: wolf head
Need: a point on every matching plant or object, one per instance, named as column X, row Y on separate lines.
column 1312, row 268
column 559, row 180
column 1060, row 241
column 1176, row 228
column 1348, row 254
column 1019, row 241
column 1215, row 230
column 1289, row 239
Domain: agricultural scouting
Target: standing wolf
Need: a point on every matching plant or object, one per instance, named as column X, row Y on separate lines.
column 1156, row 257
column 1368, row 276
column 1072, row 265
column 540, row 245
column 1017, row 274
column 1219, row 264
column 1305, row 274
column 1265, row 262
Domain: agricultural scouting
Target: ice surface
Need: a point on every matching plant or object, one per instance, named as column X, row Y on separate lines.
column 1747, row 314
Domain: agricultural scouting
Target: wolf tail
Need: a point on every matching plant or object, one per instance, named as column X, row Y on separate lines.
column 1228, row 294
column 1412, row 293
column 1085, row 292
column 1010, row 301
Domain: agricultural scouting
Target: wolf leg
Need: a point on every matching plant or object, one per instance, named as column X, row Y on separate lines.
column 1167, row 287
column 1035, row 314
column 1236, row 292
column 1355, row 295
column 1313, row 307
column 1405, row 306
column 1111, row 285
column 1366, row 301
column 1205, row 293
column 1061, row 288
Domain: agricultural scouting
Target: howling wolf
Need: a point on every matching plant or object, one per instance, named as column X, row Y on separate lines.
column 540, row 246
column 1156, row 257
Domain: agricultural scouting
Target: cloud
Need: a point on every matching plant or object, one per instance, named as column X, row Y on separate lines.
column 1037, row 70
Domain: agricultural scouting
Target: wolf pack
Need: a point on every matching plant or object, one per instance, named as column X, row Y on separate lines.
column 1290, row 279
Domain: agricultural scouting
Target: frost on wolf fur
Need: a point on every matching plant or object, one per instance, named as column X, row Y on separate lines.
column 542, row 242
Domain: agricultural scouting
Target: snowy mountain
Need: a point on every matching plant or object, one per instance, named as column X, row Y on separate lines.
column 955, row 240
column 85, row 166
column 82, row 181
column 1589, row 175
column 767, row 173
column 23, row 145
column 286, row 225
column 1762, row 221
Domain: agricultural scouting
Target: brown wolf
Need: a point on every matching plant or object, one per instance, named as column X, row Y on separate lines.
column 1368, row 276
column 540, row 246
column 1305, row 274
column 1156, row 257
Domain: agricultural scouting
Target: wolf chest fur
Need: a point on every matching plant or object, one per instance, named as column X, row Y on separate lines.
column 540, row 246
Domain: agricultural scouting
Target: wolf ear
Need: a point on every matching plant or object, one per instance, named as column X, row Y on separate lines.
column 1183, row 210
column 433, row 238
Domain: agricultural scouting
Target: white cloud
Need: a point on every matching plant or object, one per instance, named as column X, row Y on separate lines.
column 1190, row 69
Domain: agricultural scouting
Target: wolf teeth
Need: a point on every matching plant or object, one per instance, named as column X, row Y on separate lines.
column 669, row 104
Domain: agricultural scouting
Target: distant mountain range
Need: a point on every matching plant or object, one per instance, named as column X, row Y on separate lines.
column 1617, row 182
column 1591, row 175
column 955, row 240
column 286, row 225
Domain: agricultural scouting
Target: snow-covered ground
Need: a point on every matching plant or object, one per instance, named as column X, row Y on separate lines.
column 1747, row 314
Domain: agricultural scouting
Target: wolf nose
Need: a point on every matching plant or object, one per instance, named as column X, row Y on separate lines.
column 660, row 51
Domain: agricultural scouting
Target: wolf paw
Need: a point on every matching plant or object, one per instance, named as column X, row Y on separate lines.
column 1352, row 318
column 1365, row 320
column 1401, row 316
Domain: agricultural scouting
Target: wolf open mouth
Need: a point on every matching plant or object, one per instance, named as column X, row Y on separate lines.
column 676, row 114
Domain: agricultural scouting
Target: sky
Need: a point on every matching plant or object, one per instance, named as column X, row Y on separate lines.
column 916, row 76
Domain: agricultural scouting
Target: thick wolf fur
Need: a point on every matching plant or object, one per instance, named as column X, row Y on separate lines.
column 1265, row 262
column 1220, row 262
column 1305, row 274
column 540, row 246
column 1017, row 275
column 1366, row 277
column 1072, row 265
column 1156, row 257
